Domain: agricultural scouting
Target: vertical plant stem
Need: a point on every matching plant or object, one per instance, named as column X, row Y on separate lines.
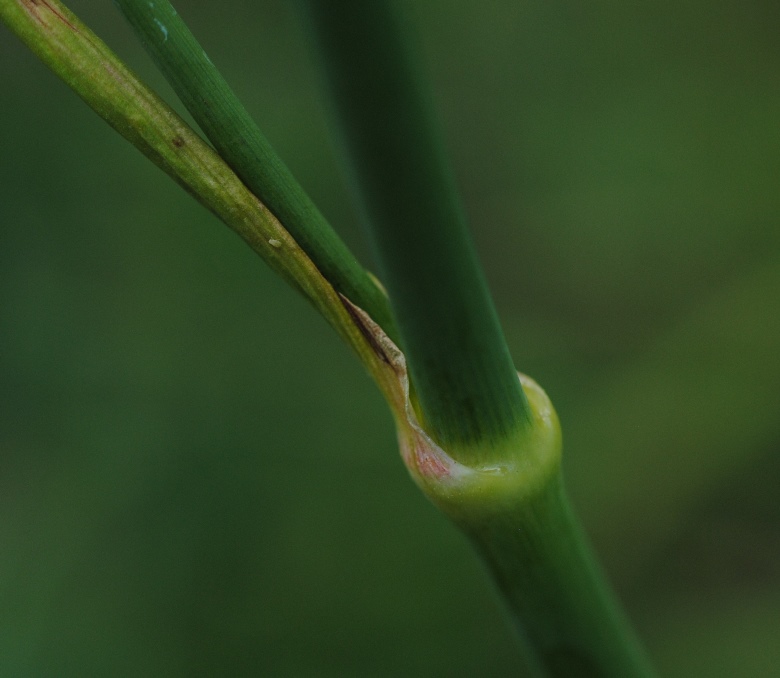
column 465, row 384
column 514, row 511
column 516, row 514
column 486, row 451
column 228, row 125
column 555, row 590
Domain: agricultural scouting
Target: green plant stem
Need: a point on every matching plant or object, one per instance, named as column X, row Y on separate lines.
column 556, row 592
column 228, row 125
column 496, row 468
column 518, row 518
column 89, row 67
column 466, row 387
column 514, row 512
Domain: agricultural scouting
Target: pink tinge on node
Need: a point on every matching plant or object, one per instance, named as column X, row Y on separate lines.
column 423, row 458
column 428, row 462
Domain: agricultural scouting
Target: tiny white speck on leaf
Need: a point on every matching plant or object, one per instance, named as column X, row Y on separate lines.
column 275, row 243
column 164, row 30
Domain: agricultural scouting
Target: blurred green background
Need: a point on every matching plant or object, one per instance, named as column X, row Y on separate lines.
column 197, row 478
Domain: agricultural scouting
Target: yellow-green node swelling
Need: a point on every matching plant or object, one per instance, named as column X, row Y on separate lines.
column 511, row 473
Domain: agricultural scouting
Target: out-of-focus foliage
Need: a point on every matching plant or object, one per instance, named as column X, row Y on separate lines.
column 197, row 479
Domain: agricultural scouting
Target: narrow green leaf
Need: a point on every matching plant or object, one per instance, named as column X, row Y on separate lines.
column 228, row 125
column 95, row 73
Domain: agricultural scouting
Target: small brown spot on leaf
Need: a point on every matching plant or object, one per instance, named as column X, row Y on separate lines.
column 178, row 141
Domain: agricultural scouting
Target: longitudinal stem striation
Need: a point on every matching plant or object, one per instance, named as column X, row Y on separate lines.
column 465, row 384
